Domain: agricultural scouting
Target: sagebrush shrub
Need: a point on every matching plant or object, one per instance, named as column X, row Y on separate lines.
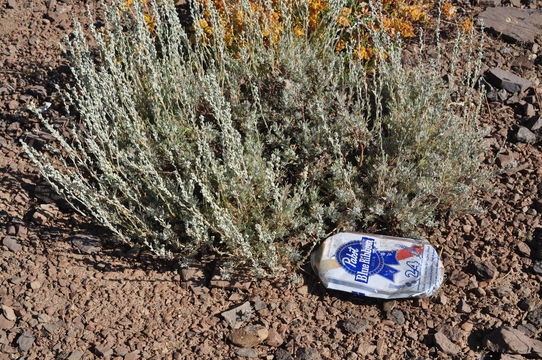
column 185, row 147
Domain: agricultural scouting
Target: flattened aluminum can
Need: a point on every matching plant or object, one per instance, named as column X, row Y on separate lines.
column 378, row 266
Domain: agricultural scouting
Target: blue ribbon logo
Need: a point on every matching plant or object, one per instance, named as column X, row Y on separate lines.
column 359, row 258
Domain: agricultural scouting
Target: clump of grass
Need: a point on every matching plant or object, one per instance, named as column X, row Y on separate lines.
column 185, row 146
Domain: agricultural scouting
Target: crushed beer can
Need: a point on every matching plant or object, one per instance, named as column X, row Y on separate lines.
column 378, row 266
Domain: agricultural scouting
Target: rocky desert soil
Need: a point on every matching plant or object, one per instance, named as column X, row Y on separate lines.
column 66, row 293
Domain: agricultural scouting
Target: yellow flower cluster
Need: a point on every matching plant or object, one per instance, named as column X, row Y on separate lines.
column 399, row 18
column 149, row 19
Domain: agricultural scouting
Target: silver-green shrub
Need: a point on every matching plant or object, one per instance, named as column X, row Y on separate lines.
column 184, row 148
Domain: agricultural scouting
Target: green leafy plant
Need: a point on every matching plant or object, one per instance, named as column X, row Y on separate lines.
column 185, row 147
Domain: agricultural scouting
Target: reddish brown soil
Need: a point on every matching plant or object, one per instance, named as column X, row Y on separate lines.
column 125, row 304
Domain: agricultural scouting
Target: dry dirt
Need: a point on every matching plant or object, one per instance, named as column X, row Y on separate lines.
column 67, row 296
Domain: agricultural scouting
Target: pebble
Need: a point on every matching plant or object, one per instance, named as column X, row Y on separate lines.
column 75, row 355
column 467, row 327
column 5, row 323
column 537, row 267
column 13, row 104
column 308, row 354
column 134, row 355
column 86, row 243
column 249, row 336
column 464, row 307
column 238, row 315
column 246, row 352
column 274, row 339
column 354, row 325
column 485, row 270
column 525, row 135
column 25, row 341
column 524, row 249
column 281, row 354
column 260, row 305
column 9, row 313
column 446, row 344
column 397, row 316
column 11, row 243
column 535, row 317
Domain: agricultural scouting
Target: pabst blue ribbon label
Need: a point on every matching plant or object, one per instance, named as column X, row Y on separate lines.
column 379, row 266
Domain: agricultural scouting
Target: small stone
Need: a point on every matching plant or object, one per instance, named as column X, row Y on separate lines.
column 5, row 323
column 537, row 124
column 446, row 344
column 308, row 354
column 524, row 249
column 479, row 291
column 281, row 354
column 260, row 305
column 535, row 317
column 249, row 336
column 25, row 341
column 75, row 355
column 528, row 110
column 274, row 339
column 237, row 316
column 506, row 80
column 103, row 350
column 491, row 3
column 134, row 355
column 389, row 305
column 12, row 4
column 303, row 290
column 528, row 304
column 484, row 270
column 8, row 313
column 13, row 104
column 537, row 267
column 397, row 316
column 35, row 285
column 525, row 135
column 464, row 307
column 86, row 243
column 121, row 350
column 354, row 325
column 44, row 318
column 11, row 243
column 442, row 299
column 246, row 352
column 506, row 160
column 509, row 340
column 467, row 327
column 503, row 94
